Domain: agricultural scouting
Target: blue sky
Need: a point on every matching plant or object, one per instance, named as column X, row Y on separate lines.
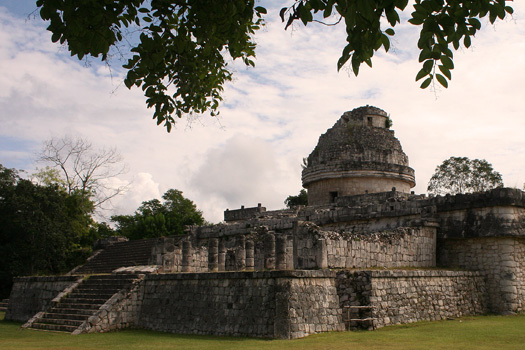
column 272, row 115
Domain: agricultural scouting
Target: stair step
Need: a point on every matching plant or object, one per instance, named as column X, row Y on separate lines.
column 66, row 316
column 105, row 295
column 61, row 321
column 101, row 287
column 70, row 311
column 97, row 301
column 82, row 302
column 120, row 254
column 78, row 306
column 53, row 327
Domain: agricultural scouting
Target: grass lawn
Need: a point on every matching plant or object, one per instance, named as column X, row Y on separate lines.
column 480, row 332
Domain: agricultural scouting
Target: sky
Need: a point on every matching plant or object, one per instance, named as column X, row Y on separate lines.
column 272, row 115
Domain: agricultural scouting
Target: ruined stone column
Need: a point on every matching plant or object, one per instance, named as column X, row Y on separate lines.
column 322, row 254
column 269, row 251
column 222, row 256
column 240, row 253
column 186, row 256
column 213, row 254
column 280, row 252
column 250, row 253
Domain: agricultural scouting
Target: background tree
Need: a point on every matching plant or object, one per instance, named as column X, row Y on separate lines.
column 462, row 175
column 155, row 218
column 179, row 58
column 300, row 199
column 43, row 229
column 81, row 169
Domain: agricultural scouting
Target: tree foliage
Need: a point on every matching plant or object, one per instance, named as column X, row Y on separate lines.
column 155, row 218
column 43, row 229
column 462, row 175
column 81, row 169
column 300, row 199
column 445, row 25
column 179, row 57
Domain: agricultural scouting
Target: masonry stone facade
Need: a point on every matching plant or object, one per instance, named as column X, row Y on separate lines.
column 358, row 256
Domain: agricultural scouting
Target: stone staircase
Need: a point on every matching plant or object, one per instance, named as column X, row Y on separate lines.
column 82, row 302
column 3, row 305
column 117, row 255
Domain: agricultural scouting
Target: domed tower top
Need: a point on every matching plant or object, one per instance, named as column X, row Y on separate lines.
column 358, row 155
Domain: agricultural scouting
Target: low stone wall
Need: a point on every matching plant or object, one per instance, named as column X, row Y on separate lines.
column 401, row 247
column 31, row 295
column 501, row 260
column 267, row 304
column 405, row 296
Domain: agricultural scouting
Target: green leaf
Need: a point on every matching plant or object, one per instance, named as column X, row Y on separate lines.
column 305, row 14
column 390, row 31
column 442, row 80
column 261, row 9
column 426, row 83
column 445, row 71
column 328, row 11
column 447, row 62
column 422, row 73
column 424, row 55
column 467, row 41
column 386, row 42
column 55, row 37
column 415, row 21
column 427, row 66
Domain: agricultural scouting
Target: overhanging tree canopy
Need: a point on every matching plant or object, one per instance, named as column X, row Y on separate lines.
column 179, row 58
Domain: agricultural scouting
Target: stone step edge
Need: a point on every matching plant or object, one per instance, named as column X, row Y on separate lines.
column 71, row 317
column 53, row 327
column 61, row 322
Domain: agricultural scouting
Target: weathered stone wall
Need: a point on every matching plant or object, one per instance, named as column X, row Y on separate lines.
column 482, row 222
column 404, row 246
column 275, row 304
column 501, row 260
column 320, row 192
column 167, row 254
column 243, row 213
column 499, row 212
column 410, row 296
column 31, row 295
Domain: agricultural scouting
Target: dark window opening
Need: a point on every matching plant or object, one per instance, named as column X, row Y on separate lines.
column 333, row 196
column 370, row 121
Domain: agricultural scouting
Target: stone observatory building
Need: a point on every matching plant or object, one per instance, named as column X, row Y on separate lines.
column 365, row 253
column 358, row 155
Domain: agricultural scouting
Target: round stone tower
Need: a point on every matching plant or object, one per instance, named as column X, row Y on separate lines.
column 358, row 155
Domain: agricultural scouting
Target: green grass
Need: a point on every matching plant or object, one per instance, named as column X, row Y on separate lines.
column 480, row 332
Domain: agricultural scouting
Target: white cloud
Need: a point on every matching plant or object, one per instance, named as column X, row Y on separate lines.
column 141, row 188
column 243, row 171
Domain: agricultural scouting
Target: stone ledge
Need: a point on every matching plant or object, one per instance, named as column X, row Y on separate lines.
column 46, row 278
column 497, row 197
column 244, row 275
column 422, row 273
